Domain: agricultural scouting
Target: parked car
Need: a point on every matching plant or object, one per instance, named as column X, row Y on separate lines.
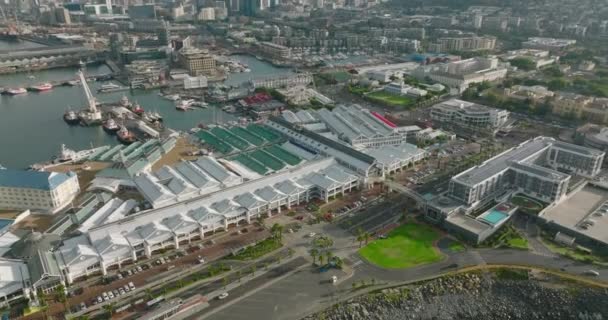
column 201, row 260
column 312, row 235
column 139, row 269
column 115, row 292
column 99, row 299
column 83, row 306
column 126, row 287
column 121, row 291
column 131, row 285
column 223, row 295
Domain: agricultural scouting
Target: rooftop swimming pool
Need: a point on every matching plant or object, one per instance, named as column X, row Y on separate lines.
column 494, row 217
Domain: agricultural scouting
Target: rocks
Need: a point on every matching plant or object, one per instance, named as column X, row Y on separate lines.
column 473, row 297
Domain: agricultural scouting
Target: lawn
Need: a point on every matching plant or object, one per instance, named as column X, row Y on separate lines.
column 518, row 243
column 456, row 246
column 390, row 99
column 575, row 254
column 407, row 246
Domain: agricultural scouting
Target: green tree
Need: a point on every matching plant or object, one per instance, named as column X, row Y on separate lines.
column 557, row 84
column 328, row 256
column 360, row 237
column 290, row 252
column 314, row 253
column 366, row 237
column 523, row 64
column 109, row 308
column 260, row 221
column 277, row 231
column 253, row 269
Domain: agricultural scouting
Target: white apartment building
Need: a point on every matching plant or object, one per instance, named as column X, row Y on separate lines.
column 458, row 75
column 43, row 191
column 469, row 115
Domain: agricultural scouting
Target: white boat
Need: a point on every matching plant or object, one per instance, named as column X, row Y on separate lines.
column 110, row 87
column 16, row 91
column 172, row 97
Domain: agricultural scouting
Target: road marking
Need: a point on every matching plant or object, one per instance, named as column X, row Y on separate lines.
column 357, row 263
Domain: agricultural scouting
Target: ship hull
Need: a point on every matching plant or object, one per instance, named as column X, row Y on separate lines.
column 111, row 130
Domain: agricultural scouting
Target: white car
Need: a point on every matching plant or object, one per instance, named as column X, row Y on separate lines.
column 139, row 269
column 110, row 294
column 223, row 295
column 131, row 285
column 126, row 287
column 312, row 235
column 592, row 273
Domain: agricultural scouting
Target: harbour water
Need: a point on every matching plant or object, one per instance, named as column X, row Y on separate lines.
column 32, row 128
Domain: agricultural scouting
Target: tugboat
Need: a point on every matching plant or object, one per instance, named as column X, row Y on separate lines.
column 137, row 109
column 157, row 116
column 124, row 102
column 125, row 136
column 42, row 87
column 110, row 126
column 16, row 91
column 71, row 118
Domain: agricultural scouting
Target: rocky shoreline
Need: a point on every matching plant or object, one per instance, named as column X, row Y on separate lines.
column 476, row 296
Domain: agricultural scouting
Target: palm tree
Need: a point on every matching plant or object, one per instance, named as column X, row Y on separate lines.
column 314, row 253
column 238, row 275
column 109, row 308
column 260, row 221
column 149, row 293
column 253, row 268
column 366, row 237
column 277, row 231
column 321, row 259
column 225, row 282
column 290, row 252
column 360, row 236
column 328, row 255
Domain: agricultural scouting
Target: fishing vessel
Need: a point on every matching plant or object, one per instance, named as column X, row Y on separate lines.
column 110, row 126
column 42, row 87
column 137, row 109
column 71, row 117
column 125, row 136
column 15, row 91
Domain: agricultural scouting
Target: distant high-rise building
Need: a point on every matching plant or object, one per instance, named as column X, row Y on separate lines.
column 163, row 35
column 249, row 7
column 62, row 16
column 146, row 11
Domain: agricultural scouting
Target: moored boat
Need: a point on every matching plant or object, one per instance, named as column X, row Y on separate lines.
column 125, row 136
column 15, row 91
column 110, row 126
column 71, row 117
column 42, row 87
column 137, row 109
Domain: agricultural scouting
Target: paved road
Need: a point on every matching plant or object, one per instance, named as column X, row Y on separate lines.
column 290, row 298
column 235, row 295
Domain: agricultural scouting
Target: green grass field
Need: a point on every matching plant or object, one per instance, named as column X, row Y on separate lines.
column 390, row 99
column 456, row 247
column 518, row 243
column 406, row 246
